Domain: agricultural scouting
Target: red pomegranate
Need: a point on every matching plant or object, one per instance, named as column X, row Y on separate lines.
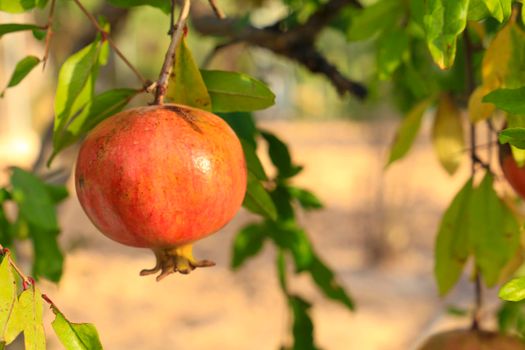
column 514, row 174
column 161, row 177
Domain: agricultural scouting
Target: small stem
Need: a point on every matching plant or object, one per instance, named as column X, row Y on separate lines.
column 471, row 85
column 172, row 18
column 169, row 59
column 105, row 36
column 476, row 316
column 26, row 280
column 217, row 10
column 49, row 33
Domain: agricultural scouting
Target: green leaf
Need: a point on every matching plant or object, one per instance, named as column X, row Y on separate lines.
column 57, row 192
column 99, row 108
column 494, row 231
column 76, row 82
column 186, row 85
column 252, row 161
column 511, row 318
column 513, row 121
column 282, row 200
column 236, row 92
column 452, row 244
column 6, row 238
column 477, row 223
column 4, row 195
column 508, row 100
column 16, row 27
column 513, row 290
column 444, row 21
column 18, row 6
column 22, row 69
column 325, row 279
column 407, row 131
column 447, row 134
column 481, row 9
column 477, row 10
column 457, row 311
column 247, row 243
column 280, row 156
column 34, row 200
column 514, row 136
column 306, row 199
column 48, row 259
column 374, row 19
column 39, row 34
column 303, row 327
column 392, row 47
column 162, row 5
column 27, row 317
column 257, row 199
column 292, row 238
column 243, row 125
column 281, row 270
column 7, row 295
column 75, row 336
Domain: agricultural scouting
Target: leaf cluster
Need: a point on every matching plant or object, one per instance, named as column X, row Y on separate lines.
column 21, row 311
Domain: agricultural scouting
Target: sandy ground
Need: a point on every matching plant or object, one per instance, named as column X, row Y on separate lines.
column 377, row 233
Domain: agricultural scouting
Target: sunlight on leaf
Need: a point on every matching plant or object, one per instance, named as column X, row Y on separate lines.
column 444, row 21
column 8, row 296
column 75, row 336
column 185, row 84
column 236, row 92
column 513, row 290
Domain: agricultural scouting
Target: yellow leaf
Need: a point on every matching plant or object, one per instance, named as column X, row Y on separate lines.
column 495, row 62
column 478, row 110
column 447, row 134
column 185, row 84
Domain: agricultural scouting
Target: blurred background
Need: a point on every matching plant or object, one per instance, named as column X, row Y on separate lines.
column 376, row 231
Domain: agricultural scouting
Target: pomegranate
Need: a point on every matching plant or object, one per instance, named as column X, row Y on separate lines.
column 460, row 339
column 161, row 177
column 514, row 174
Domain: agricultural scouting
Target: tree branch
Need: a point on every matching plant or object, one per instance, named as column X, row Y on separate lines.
column 111, row 43
column 49, row 33
column 176, row 37
column 297, row 43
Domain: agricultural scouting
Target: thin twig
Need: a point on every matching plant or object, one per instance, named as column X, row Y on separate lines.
column 297, row 43
column 49, row 32
column 26, row 280
column 471, row 85
column 172, row 18
column 169, row 59
column 218, row 12
column 105, row 36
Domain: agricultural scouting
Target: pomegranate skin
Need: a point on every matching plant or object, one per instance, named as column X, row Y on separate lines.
column 514, row 174
column 161, row 176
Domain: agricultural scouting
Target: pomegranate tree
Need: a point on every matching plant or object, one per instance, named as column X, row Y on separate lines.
column 161, row 177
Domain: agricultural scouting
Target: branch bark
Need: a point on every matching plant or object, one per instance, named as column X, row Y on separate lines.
column 176, row 37
column 297, row 43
